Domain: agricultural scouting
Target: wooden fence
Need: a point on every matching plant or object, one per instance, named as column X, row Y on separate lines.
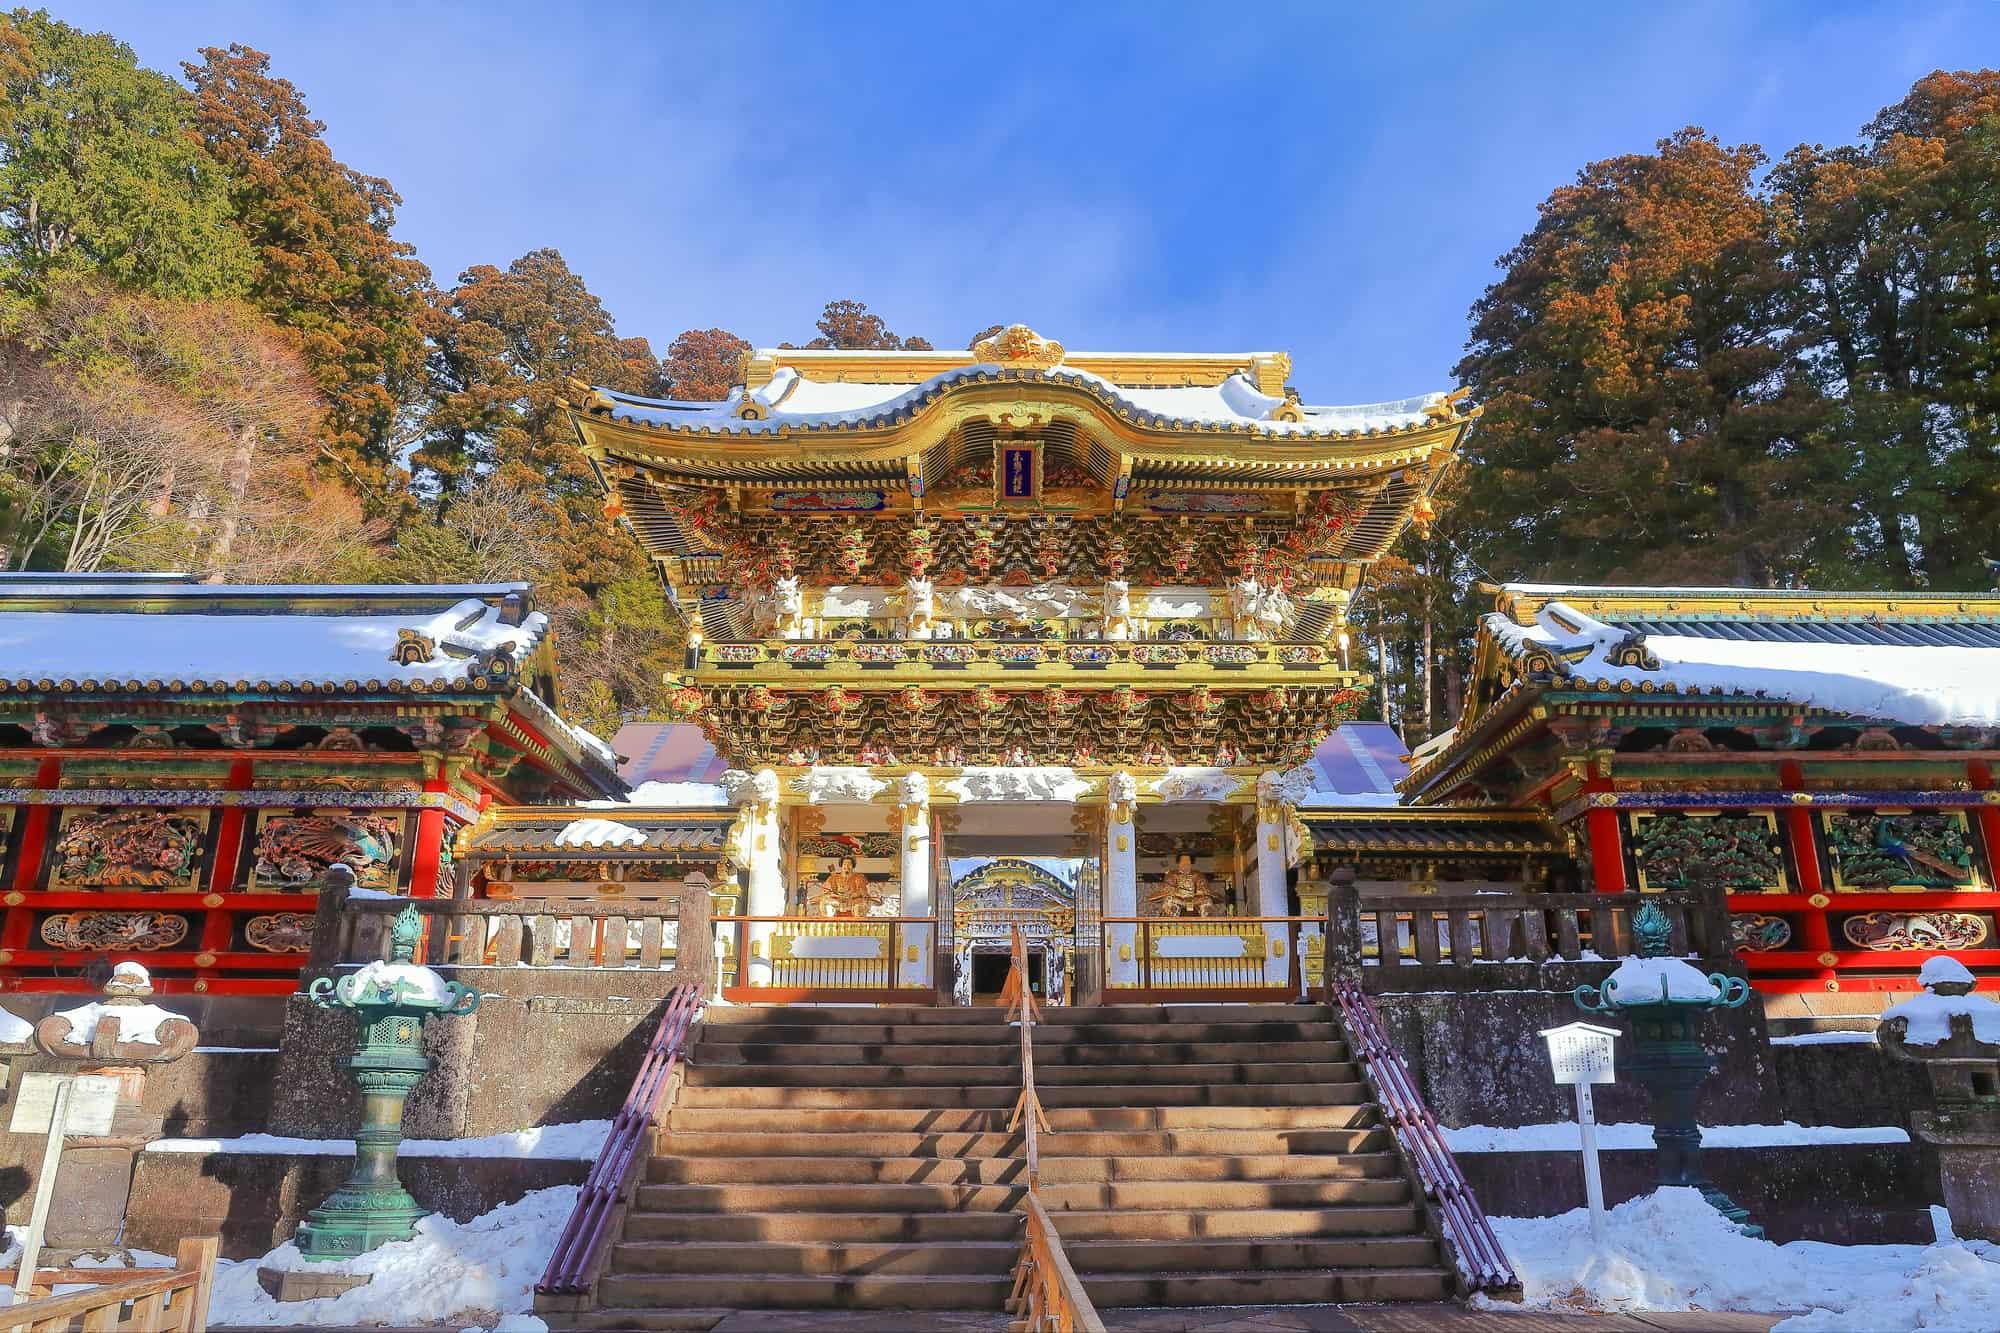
column 119, row 1300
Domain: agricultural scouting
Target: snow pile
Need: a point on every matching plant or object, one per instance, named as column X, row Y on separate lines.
column 15, row 1029
column 465, row 1272
column 1930, row 1017
column 599, row 833
column 1825, row 1039
column 667, row 796
column 1941, row 969
column 576, row 1141
column 1644, row 980
column 418, row 982
column 1561, row 1136
column 1670, row 1251
column 136, row 1022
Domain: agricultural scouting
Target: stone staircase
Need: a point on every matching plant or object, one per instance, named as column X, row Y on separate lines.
column 855, row 1158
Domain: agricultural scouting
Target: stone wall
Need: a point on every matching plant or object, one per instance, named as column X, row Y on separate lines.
column 1872, row 1193
column 254, row 1201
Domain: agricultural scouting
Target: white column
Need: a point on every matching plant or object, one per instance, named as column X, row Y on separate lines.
column 913, row 818
column 1121, row 879
column 757, row 852
column 1271, row 900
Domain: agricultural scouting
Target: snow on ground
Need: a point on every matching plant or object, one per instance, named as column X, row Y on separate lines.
column 576, row 1141
column 1562, row 1136
column 1670, row 1251
column 666, row 795
column 1825, row 1039
column 139, row 1023
column 469, row 1273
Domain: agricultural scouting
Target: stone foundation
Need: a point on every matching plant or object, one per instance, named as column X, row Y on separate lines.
column 254, row 1201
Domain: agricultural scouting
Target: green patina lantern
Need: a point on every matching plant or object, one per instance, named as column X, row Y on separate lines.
column 1665, row 999
column 391, row 1003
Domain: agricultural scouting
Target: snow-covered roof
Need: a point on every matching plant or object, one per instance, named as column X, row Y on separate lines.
column 88, row 634
column 1358, row 766
column 790, row 401
column 1916, row 685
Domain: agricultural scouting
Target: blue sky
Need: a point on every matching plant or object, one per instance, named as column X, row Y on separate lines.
column 1332, row 180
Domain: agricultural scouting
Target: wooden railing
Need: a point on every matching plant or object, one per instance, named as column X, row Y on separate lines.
column 1048, row 1297
column 580, row 1249
column 1505, row 941
column 853, row 960
column 1482, row 1264
column 538, row 932
column 119, row 1300
column 1157, row 959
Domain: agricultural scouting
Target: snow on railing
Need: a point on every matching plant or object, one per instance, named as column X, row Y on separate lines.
column 1481, row 1262
column 580, row 1246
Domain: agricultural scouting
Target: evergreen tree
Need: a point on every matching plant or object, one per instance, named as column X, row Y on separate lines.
column 327, row 263
column 504, row 346
column 849, row 326
column 98, row 173
column 702, row 365
column 1647, row 416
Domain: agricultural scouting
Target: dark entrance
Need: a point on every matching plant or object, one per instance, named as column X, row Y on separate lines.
column 989, row 974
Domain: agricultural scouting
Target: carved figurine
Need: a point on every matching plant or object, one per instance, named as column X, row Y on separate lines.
column 1117, row 609
column 1185, row 891
column 846, row 892
column 919, row 609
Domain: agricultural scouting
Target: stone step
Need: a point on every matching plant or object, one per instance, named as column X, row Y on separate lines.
column 1064, row 1015
column 1048, row 1054
column 1208, row 1167
column 814, row 1258
column 778, row 1143
column 1249, row 1030
column 915, row 1291
column 1003, row 1096
column 774, row 1170
column 778, row 1170
column 1129, row 1119
column 1046, row 1077
column 1212, row 1195
column 1153, row 1290
column 835, row 1014
column 794, row 1146
column 889, row 1198
column 802, row 1228
column 823, row 1120
column 1093, row 1257
column 1182, row 1224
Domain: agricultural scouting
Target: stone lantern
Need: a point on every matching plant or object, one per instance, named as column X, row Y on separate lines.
column 392, row 1002
column 120, row 1036
column 1955, row 1035
column 1665, row 998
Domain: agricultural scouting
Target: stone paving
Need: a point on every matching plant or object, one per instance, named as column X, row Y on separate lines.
column 1237, row 1319
column 1269, row 1319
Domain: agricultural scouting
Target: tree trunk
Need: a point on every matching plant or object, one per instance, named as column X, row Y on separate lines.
column 240, row 460
column 1382, row 672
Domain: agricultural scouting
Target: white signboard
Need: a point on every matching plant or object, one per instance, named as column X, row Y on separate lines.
column 1581, row 1053
column 92, row 1100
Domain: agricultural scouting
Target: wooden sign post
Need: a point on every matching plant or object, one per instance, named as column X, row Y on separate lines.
column 56, row 1105
column 1580, row 1054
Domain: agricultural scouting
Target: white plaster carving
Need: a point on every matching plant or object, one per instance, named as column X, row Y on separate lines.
column 913, row 789
column 1196, row 784
column 1122, row 787
column 745, row 788
column 919, row 609
column 824, row 783
column 1017, row 784
column 1117, row 602
column 1291, row 787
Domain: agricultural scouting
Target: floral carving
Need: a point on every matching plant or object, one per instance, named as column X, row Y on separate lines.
column 1678, row 851
column 279, row 932
column 1929, row 931
column 144, row 931
column 1018, row 345
column 129, row 849
column 1757, row 932
column 293, row 851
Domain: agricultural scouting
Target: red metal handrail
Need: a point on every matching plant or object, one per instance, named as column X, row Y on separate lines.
column 583, row 1234
column 1481, row 1261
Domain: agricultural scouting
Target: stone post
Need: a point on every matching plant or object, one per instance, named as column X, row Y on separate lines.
column 1271, row 865
column 913, row 830
column 119, row 1037
column 1121, row 876
column 1955, row 1035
